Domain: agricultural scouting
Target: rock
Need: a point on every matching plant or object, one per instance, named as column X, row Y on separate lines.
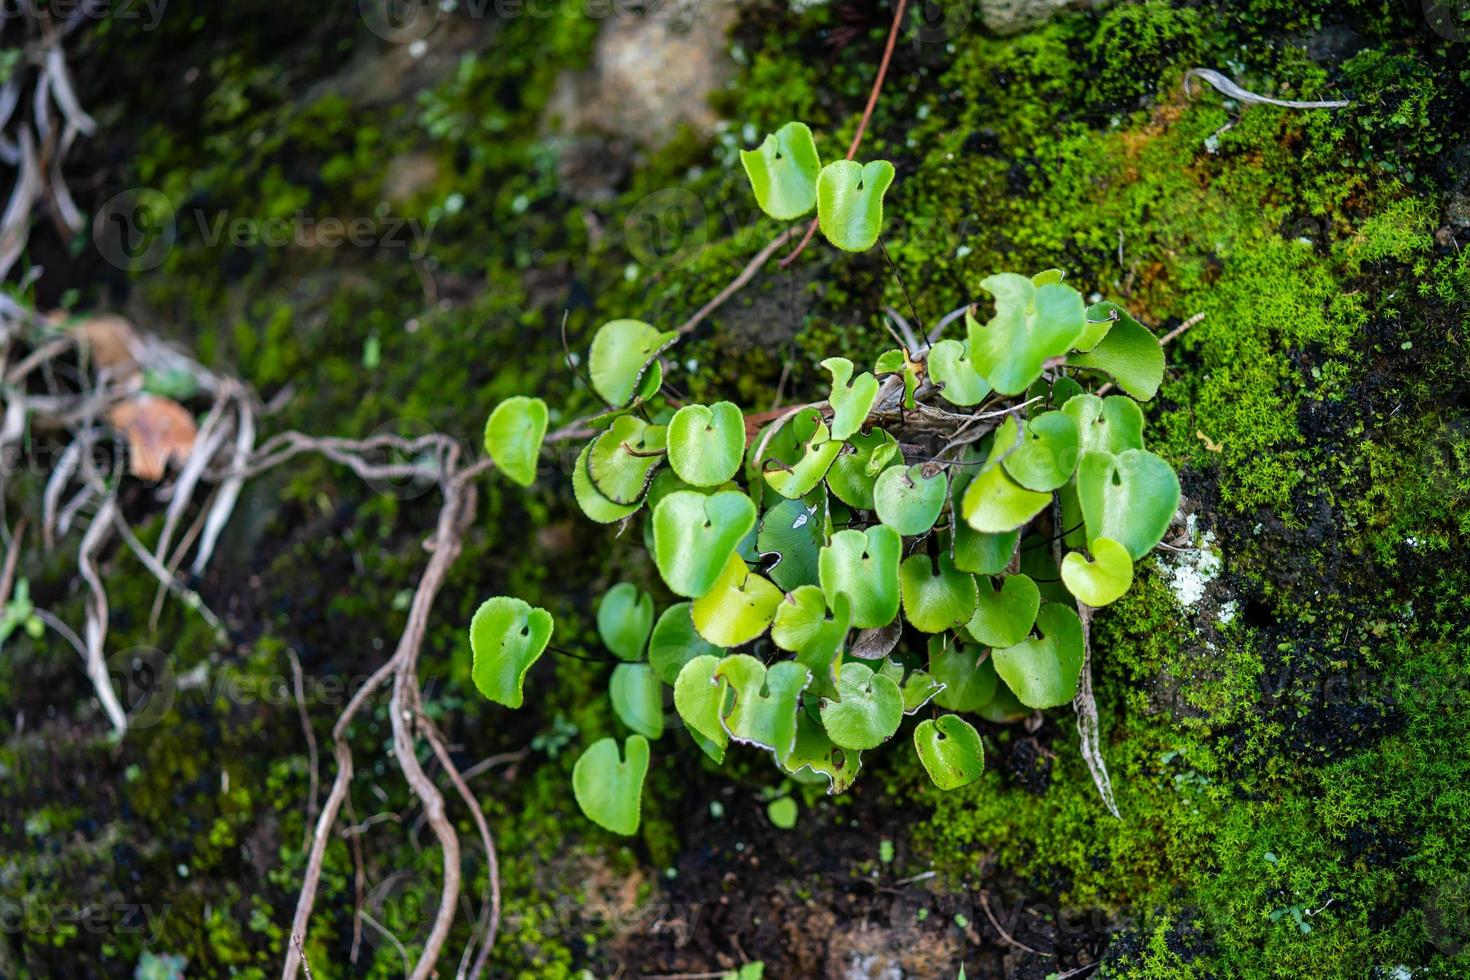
column 1006, row 17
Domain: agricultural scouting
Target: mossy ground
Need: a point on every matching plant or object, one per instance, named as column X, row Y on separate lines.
column 1287, row 749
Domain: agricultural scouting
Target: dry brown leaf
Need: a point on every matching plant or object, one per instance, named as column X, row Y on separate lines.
column 158, row 430
column 110, row 340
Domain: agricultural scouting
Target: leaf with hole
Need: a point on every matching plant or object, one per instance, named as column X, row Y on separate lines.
column 909, row 500
column 596, row 506
column 950, row 367
column 995, row 503
column 1108, row 425
column 969, row 681
column 867, row 711
column 622, row 459
column 637, row 698
column 507, row 636
column 803, row 627
column 1047, row 454
column 621, row 353
column 801, row 477
column 850, row 202
column 1042, row 672
column 936, row 595
column 707, row 444
column 1128, row 497
column 513, row 436
column 624, row 617
column 695, row 535
column 701, row 702
column 675, row 642
column 950, row 749
column 813, row 751
column 795, row 530
column 738, row 608
column 765, row 701
column 1003, row 617
column 783, row 172
column 1031, row 325
column 851, row 397
column 609, row 785
column 975, row 551
column 853, row 474
column 863, row 565
column 1102, row 580
column 1130, row 354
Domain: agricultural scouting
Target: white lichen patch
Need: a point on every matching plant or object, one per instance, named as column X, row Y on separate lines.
column 1192, row 570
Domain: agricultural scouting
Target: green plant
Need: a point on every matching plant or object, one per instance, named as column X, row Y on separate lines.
column 809, row 560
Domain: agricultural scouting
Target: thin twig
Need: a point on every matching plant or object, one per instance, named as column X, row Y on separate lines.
column 736, row 284
column 1005, row 936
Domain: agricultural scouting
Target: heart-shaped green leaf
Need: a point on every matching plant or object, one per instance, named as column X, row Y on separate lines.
column 1002, row 708
column 1047, row 453
column 675, row 642
column 1043, row 672
column 995, row 503
column 702, row 701
column 863, row 565
column 974, row 551
column 622, row 459
column 795, row 530
column 1100, row 320
column 637, row 698
column 919, row 688
column 867, row 711
column 783, row 172
column 621, row 352
column 695, row 535
column 706, row 445
column 609, row 787
column 803, row 627
column 624, row 617
column 1101, row 580
column 950, row 367
column 513, row 435
column 965, row 671
column 950, row 749
column 507, row 636
column 1128, row 497
column 936, row 595
column 1129, row 352
column 909, row 499
column 850, row 202
column 853, row 474
column 1108, row 425
column 1003, row 617
column 814, row 751
column 851, row 398
column 1031, row 324
column 766, row 701
column 738, row 608
column 799, row 479
column 590, row 499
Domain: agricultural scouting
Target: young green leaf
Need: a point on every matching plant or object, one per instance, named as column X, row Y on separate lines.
column 782, row 813
column 637, row 699
column 702, row 701
column 801, row 477
column 863, row 565
column 706, row 445
column 622, row 459
column 675, row 642
column 974, row 551
column 909, row 499
column 766, row 701
column 1100, row 320
column 1048, row 451
column 1101, row 580
column 814, row 751
column 513, row 436
column 1031, row 324
column 994, row 503
column 950, row 749
column 695, row 535
column 624, row 617
column 1108, row 425
column 965, row 671
column 868, row 709
column 1043, row 672
column 597, row 507
column 795, row 530
column 609, row 786
column 1128, row 497
column 738, row 608
column 803, row 627
column 1003, row 708
column 783, row 172
column 919, row 688
column 621, row 353
column 1130, row 353
column 936, row 595
column 1003, row 617
column 950, row 367
column 851, row 398
column 850, row 202
column 853, row 474
column 507, row 636
column 898, row 361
